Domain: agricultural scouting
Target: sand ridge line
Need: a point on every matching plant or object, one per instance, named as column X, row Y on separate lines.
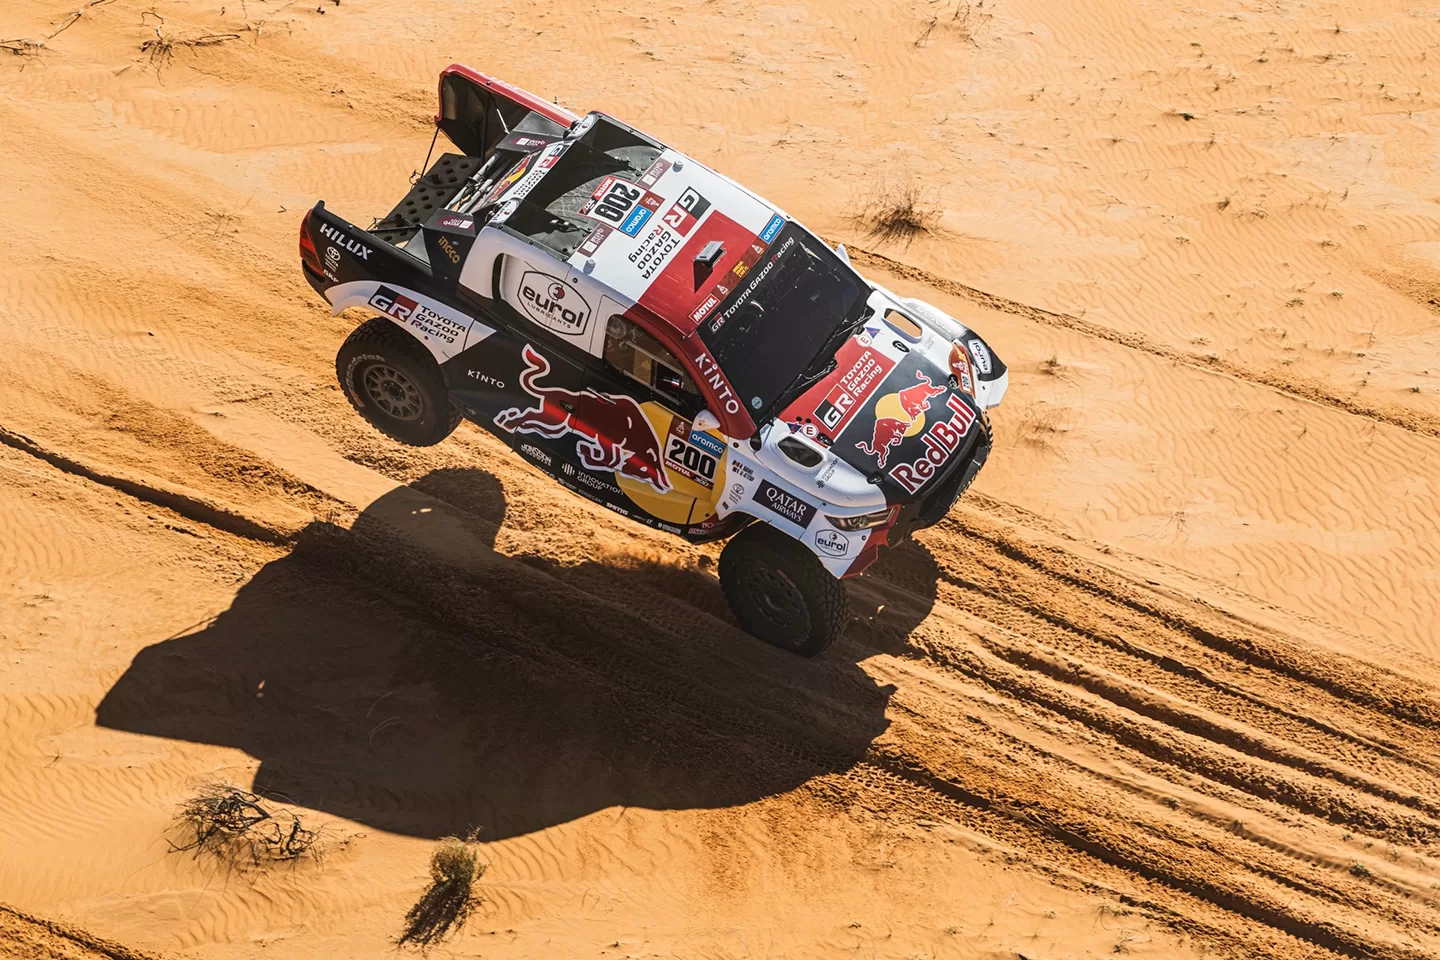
column 18, row 929
column 1412, row 420
column 186, row 506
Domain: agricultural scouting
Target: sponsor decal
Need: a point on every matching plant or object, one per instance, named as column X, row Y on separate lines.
column 832, row 543
column 960, row 367
column 772, row 228
column 341, row 239
column 805, row 429
column 613, row 432
column 687, row 211
column 593, row 241
column 941, row 441
column 826, row 474
column 536, row 454
column 756, row 279
column 511, row 178
column 669, row 528
column 409, row 312
column 654, row 250
column 486, row 378
column 687, row 458
column 981, row 353
column 621, row 204
column 865, row 369
column 553, row 304
column 737, row 493
column 787, row 505
column 654, row 172
column 899, row 418
column 332, row 263
column 701, row 312
column 456, row 222
column 706, row 442
column 448, row 248
column 526, row 143
column 742, row 470
column 710, row 372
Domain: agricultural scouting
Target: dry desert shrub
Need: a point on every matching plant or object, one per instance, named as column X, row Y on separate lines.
column 23, row 47
column 162, row 48
column 237, row 828
column 449, row 900
column 895, row 212
column 964, row 21
column 1040, row 425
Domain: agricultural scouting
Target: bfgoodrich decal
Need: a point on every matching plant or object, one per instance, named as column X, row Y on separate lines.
column 553, row 304
column 787, row 505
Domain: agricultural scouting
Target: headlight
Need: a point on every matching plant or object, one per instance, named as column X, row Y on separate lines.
column 864, row 521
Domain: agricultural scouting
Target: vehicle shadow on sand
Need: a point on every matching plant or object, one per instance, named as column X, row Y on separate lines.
column 381, row 676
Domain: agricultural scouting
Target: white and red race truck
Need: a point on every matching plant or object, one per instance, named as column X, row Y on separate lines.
column 660, row 340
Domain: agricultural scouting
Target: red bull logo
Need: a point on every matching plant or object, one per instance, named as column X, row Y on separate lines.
column 896, row 420
column 614, row 432
column 940, row 443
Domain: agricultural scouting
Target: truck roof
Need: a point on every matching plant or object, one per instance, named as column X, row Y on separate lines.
column 656, row 226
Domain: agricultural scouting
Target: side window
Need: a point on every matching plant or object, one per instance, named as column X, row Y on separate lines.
column 639, row 356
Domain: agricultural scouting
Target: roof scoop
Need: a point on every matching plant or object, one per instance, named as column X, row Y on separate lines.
column 706, row 259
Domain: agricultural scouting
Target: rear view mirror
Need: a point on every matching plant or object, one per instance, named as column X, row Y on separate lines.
column 705, row 420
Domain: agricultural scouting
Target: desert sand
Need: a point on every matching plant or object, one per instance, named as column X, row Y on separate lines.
column 1165, row 683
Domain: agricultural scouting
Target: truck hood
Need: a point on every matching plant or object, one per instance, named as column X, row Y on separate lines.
column 900, row 406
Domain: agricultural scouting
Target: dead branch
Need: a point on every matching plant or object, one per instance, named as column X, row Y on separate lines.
column 28, row 48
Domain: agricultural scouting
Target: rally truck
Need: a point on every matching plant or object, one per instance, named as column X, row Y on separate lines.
column 660, row 340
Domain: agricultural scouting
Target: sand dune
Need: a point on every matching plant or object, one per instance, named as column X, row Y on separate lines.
column 1164, row 683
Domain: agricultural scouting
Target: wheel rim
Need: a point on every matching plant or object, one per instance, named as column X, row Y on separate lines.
column 392, row 392
column 780, row 602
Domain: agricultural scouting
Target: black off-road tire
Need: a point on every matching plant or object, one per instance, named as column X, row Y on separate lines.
column 393, row 382
column 780, row 592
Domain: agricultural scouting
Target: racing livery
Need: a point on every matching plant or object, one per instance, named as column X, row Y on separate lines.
column 662, row 341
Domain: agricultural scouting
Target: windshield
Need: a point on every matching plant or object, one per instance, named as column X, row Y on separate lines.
column 783, row 311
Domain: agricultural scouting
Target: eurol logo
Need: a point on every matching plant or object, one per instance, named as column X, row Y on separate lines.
column 832, row 543
column 553, row 304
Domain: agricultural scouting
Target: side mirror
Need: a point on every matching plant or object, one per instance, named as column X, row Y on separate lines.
column 705, row 420
column 841, row 252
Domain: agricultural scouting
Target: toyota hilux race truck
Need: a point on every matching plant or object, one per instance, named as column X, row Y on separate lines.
column 661, row 340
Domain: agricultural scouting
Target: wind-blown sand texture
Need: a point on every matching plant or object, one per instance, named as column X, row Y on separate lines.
column 1164, row 683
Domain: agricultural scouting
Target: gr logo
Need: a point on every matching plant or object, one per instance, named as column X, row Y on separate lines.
column 553, row 304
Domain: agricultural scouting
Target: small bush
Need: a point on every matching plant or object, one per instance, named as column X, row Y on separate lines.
column 896, row 212
column 449, row 900
column 236, row 827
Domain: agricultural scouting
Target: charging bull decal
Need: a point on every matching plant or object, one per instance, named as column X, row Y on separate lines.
column 614, row 432
column 890, row 430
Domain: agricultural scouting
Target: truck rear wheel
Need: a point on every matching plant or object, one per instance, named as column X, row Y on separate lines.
column 393, row 382
column 780, row 592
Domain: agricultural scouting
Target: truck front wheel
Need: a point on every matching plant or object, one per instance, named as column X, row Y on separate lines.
column 393, row 382
column 780, row 592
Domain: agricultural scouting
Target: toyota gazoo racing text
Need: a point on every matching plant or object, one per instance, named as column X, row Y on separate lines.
column 662, row 341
